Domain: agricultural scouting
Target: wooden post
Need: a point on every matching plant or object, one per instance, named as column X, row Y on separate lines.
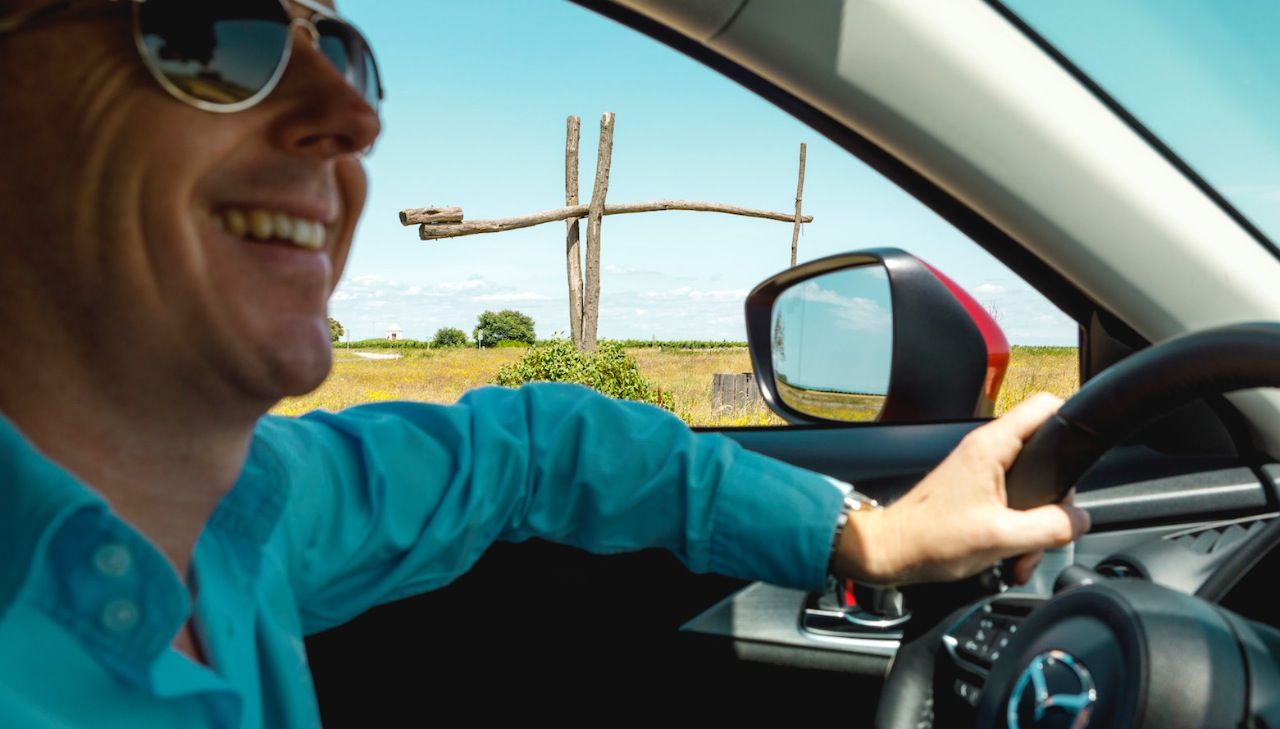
column 795, row 233
column 734, row 394
column 573, row 257
column 595, row 215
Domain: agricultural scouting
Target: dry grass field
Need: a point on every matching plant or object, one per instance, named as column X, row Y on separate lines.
column 683, row 375
column 1033, row 369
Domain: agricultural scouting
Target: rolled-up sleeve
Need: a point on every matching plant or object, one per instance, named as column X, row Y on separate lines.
column 392, row 499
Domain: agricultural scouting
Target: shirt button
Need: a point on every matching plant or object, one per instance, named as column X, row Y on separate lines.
column 120, row 616
column 112, row 559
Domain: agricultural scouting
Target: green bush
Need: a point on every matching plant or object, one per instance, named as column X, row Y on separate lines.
column 505, row 325
column 449, row 337
column 512, row 344
column 610, row 371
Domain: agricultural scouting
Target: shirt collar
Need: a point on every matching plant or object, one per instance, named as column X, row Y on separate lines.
column 37, row 496
column 252, row 508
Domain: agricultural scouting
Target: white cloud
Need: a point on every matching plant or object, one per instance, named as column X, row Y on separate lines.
column 512, row 296
column 616, row 270
column 989, row 288
column 855, row 313
column 692, row 294
column 367, row 279
column 471, row 284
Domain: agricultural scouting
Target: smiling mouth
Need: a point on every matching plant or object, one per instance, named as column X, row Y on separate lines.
column 267, row 226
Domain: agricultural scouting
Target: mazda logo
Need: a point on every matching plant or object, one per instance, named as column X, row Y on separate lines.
column 1055, row 690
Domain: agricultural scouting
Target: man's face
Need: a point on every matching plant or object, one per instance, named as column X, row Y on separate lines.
column 118, row 204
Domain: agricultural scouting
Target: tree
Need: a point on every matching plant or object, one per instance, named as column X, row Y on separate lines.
column 335, row 330
column 506, row 325
column 449, row 337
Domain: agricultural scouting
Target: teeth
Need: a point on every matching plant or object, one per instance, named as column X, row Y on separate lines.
column 259, row 224
column 236, row 224
column 284, row 226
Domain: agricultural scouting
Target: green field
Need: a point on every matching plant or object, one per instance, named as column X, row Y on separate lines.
column 684, row 376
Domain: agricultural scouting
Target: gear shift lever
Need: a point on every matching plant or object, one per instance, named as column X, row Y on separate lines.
column 882, row 602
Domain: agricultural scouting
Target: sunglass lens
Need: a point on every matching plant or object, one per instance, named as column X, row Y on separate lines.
column 350, row 54
column 221, row 53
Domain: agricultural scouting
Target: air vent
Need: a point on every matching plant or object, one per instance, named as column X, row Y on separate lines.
column 1217, row 539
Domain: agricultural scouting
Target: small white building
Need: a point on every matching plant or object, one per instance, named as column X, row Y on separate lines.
column 394, row 333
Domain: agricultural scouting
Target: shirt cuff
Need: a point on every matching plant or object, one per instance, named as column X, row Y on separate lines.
column 774, row 522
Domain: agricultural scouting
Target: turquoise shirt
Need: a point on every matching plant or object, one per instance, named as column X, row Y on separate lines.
column 337, row 512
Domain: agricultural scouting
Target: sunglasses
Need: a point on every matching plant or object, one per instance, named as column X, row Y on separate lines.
column 228, row 55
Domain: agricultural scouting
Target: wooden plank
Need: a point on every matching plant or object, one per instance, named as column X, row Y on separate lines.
column 573, row 254
column 595, row 217
column 795, row 233
column 418, row 216
column 734, row 393
column 497, row 225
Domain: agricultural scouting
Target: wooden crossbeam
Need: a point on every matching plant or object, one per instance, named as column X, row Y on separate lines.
column 417, row 216
column 433, row 231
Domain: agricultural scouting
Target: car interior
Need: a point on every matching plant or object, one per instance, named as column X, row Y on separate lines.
column 1157, row 618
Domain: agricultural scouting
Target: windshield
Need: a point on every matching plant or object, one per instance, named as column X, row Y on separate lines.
column 1204, row 77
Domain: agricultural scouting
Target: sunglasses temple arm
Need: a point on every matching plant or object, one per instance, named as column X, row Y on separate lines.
column 33, row 15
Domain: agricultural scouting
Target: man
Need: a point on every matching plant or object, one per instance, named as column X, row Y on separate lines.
column 182, row 182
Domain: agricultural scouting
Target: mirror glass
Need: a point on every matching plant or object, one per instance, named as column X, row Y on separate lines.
column 833, row 344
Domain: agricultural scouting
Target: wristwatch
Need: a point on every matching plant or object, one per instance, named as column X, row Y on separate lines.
column 853, row 501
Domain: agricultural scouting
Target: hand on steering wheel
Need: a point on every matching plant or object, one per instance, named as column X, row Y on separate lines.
column 1169, row 659
column 956, row 521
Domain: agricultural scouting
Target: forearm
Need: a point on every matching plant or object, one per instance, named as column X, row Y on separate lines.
column 398, row 498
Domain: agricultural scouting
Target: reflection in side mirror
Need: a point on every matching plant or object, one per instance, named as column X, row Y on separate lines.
column 832, row 338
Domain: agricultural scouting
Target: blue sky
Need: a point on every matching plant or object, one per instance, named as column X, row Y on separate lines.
column 1203, row 76
column 478, row 93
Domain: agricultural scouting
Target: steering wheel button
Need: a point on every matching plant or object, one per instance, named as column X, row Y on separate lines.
column 966, row 691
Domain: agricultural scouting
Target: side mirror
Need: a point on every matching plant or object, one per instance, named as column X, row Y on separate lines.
column 873, row 335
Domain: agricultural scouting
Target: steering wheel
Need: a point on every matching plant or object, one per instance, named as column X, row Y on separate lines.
column 1109, row 652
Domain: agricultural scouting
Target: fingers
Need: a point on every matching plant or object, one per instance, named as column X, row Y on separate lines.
column 1025, row 566
column 1002, row 439
column 1044, row 527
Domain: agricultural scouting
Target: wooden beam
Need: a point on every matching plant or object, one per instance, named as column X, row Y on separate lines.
column 474, row 227
column 416, row 216
column 795, row 233
column 595, row 217
column 573, row 254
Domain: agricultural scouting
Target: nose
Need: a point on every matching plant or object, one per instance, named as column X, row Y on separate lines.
column 320, row 113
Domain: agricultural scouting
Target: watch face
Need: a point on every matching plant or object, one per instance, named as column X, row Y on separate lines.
column 856, row 501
